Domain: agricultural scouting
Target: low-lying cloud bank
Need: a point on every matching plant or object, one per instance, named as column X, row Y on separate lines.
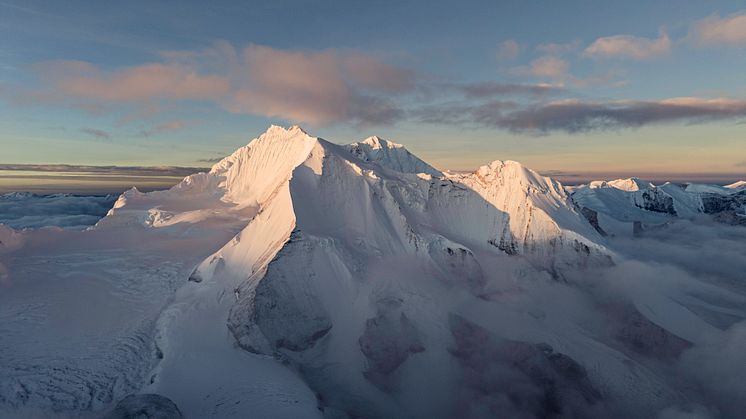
column 70, row 212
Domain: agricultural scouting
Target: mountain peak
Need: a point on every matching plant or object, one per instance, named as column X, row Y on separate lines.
column 279, row 130
column 377, row 142
column 741, row 184
column 390, row 155
column 631, row 184
column 504, row 170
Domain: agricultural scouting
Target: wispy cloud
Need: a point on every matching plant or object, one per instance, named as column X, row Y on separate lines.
column 212, row 160
column 716, row 30
column 549, row 67
column 165, row 127
column 556, row 49
column 143, row 83
column 96, row 133
column 490, row 89
column 627, row 46
column 508, row 50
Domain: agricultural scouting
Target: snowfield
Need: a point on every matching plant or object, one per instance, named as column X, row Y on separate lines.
column 299, row 278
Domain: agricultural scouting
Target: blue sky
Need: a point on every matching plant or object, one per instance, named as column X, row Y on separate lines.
column 558, row 85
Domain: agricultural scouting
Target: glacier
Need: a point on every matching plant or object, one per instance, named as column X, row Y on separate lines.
column 301, row 278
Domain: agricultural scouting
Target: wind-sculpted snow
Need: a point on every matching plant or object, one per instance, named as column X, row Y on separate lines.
column 299, row 278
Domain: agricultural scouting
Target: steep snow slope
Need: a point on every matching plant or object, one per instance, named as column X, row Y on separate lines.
column 539, row 218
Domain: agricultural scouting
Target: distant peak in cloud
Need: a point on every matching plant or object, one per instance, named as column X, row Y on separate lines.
column 716, row 30
column 628, row 46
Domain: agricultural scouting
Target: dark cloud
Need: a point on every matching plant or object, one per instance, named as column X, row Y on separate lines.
column 462, row 113
column 210, row 160
column 481, row 90
column 574, row 116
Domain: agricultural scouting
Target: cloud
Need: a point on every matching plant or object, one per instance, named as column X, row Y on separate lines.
column 549, row 67
column 315, row 87
column 573, row 116
column 96, row 133
column 508, row 50
column 490, row 89
column 628, row 46
column 714, row 30
column 143, row 83
column 167, row 126
column 210, row 160
column 557, row 49
column 319, row 88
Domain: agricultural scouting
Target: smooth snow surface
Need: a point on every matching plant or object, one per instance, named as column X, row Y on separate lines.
column 299, row 278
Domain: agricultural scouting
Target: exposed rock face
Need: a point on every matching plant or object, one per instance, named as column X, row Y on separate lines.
column 592, row 217
column 716, row 203
column 640, row 335
column 287, row 309
column 145, row 406
column 655, row 200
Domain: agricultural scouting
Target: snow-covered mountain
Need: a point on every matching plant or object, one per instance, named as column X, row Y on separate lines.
column 300, row 278
column 624, row 206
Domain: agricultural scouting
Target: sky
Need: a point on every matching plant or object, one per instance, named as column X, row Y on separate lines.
column 565, row 87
